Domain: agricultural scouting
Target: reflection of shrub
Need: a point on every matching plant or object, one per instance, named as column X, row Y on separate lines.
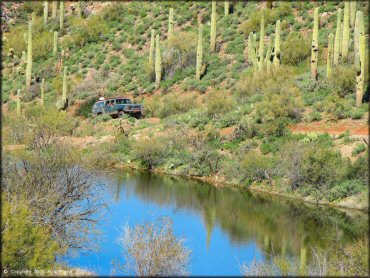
column 295, row 49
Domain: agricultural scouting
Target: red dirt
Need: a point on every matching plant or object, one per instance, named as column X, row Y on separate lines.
column 356, row 128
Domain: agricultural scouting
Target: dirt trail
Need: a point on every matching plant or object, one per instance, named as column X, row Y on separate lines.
column 358, row 128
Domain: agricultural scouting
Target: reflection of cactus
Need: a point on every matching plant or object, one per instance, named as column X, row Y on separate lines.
column 19, row 101
column 262, row 44
column 55, row 47
column 277, row 45
column 345, row 36
column 29, row 56
column 170, row 23
column 199, row 53
column 213, row 27
column 352, row 14
column 329, row 61
column 158, row 63
column 54, row 9
column 337, row 41
column 360, row 70
column 227, row 8
column 151, row 50
column 61, row 15
column 43, row 92
column 315, row 45
column 46, row 11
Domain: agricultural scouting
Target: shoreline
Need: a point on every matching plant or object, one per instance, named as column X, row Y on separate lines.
column 213, row 181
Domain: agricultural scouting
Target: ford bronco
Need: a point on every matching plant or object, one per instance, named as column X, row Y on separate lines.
column 117, row 107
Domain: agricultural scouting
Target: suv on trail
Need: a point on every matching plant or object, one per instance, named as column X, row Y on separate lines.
column 117, row 107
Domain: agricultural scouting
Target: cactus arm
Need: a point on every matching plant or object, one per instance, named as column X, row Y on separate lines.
column 46, row 11
column 329, row 61
column 19, row 101
column 61, row 16
column 276, row 60
column 170, row 23
column 262, row 44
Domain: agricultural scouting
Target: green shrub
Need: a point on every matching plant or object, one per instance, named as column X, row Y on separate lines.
column 150, row 152
column 295, row 49
column 345, row 189
column 314, row 116
column 359, row 149
column 343, row 82
column 357, row 114
column 219, row 102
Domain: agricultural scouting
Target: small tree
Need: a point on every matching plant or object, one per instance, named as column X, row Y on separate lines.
column 153, row 250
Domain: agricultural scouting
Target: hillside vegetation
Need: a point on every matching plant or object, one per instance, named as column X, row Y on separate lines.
column 226, row 115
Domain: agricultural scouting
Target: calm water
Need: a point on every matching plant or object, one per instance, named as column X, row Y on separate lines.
column 223, row 227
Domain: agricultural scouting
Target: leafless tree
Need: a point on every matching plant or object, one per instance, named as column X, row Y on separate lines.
column 153, row 250
column 63, row 193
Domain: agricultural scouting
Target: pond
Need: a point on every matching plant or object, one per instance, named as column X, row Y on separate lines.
column 223, row 227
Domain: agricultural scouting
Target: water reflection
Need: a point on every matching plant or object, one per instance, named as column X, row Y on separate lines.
column 277, row 225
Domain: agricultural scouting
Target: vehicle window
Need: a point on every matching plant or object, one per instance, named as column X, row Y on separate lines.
column 127, row 101
column 99, row 104
column 119, row 101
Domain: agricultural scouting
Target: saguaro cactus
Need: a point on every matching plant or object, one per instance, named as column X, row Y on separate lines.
column 54, row 9
column 64, row 90
column 360, row 70
column 262, row 44
column 61, row 15
column 55, row 46
column 19, row 101
column 268, row 56
column 329, row 61
column 315, row 45
column 352, row 15
column 170, row 23
column 345, row 37
column 46, row 11
column 227, row 8
column 24, row 57
column 213, row 27
column 199, row 53
column 42, row 92
column 29, row 56
column 359, row 29
column 337, row 41
column 151, row 50
column 276, row 60
column 158, row 63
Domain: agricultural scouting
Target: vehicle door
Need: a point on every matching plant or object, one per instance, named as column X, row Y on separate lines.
column 108, row 107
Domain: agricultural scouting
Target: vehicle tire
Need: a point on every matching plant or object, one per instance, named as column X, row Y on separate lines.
column 120, row 114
